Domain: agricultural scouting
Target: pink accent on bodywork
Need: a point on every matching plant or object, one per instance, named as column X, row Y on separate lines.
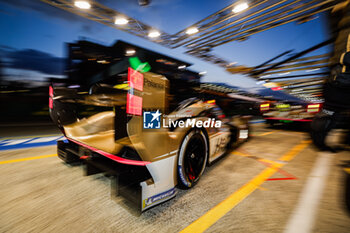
column 111, row 156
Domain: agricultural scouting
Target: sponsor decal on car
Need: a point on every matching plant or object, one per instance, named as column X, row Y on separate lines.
column 183, row 179
column 159, row 197
column 243, row 134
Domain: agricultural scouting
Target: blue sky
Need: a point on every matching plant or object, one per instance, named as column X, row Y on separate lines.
column 30, row 24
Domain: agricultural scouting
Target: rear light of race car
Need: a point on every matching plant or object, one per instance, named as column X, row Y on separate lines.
column 313, row 108
column 264, row 107
column 135, row 79
column 50, row 97
column 133, row 104
column 50, row 103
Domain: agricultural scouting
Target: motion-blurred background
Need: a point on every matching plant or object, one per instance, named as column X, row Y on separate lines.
column 37, row 41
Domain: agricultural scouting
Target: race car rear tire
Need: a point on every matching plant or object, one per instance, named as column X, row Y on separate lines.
column 192, row 159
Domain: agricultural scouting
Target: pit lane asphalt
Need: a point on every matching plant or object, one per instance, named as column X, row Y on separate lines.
column 46, row 195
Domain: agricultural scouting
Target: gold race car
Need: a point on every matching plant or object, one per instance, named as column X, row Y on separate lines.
column 133, row 128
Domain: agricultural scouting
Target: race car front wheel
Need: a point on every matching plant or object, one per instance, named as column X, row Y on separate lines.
column 192, row 158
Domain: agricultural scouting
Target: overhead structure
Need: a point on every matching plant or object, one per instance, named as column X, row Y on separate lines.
column 113, row 18
column 236, row 22
column 296, row 76
column 227, row 25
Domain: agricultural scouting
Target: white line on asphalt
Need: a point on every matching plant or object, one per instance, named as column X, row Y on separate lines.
column 3, row 141
column 14, row 142
column 303, row 217
column 37, row 140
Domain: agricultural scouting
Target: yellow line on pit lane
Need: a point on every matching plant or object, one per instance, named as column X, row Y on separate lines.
column 267, row 133
column 217, row 212
column 27, row 159
column 254, row 157
column 263, row 134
